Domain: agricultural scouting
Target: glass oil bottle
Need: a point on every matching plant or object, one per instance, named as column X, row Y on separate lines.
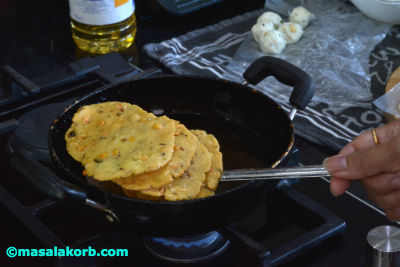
column 103, row 26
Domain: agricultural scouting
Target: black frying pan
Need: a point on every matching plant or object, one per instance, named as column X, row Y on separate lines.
column 252, row 129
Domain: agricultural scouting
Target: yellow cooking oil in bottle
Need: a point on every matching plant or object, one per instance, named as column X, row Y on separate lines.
column 103, row 26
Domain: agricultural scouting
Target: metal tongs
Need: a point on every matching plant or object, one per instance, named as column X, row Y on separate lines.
column 311, row 171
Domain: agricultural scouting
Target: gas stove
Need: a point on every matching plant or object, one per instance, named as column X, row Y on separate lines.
column 289, row 226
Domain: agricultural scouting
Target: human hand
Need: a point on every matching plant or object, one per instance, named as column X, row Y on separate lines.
column 376, row 166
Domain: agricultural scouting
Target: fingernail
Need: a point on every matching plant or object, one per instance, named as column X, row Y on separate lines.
column 335, row 163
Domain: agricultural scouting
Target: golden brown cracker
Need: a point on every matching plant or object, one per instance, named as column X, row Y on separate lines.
column 120, row 139
column 205, row 192
column 211, row 143
column 188, row 185
column 184, row 149
column 142, row 195
column 214, row 174
column 146, row 180
column 207, row 139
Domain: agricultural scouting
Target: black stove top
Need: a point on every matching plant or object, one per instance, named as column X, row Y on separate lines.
column 35, row 43
column 266, row 237
column 289, row 226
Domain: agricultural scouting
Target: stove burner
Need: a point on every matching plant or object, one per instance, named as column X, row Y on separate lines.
column 31, row 134
column 187, row 249
column 54, row 223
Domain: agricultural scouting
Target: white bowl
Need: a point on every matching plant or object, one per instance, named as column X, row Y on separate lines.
column 382, row 10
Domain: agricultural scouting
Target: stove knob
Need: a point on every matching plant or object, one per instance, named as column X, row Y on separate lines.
column 383, row 246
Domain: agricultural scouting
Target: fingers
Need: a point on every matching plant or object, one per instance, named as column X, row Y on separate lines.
column 365, row 163
column 388, row 201
column 393, row 214
column 381, row 185
column 384, row 190
column 377, row 166
column 365, row 140
column 375, row 186
column 388, row 131
column 365, row 144
column 339, row 186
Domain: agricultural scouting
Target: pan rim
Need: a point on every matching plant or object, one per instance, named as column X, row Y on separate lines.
column 107, row 194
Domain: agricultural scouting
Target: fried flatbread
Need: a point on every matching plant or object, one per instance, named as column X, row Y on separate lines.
column 194, row 181
column 117, row 139
column 212, row 145
column 205, row 192
column 184, row 149
column 188, row 185
column 140, row 195
column 146, row 180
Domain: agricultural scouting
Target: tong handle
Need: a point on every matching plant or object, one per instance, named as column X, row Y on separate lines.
column 311, row 171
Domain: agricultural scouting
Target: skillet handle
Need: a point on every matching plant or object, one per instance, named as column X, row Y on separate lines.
column 52, row 186
column 286, row 73
column 46, row 181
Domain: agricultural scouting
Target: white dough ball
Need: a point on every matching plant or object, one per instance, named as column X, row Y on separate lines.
column 260, row 28
column 301, row 16
column 272, row 42
column 271, row 17
column 291, row 32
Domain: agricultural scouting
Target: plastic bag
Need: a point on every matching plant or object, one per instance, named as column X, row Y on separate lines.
column 389, row 102
column 334, row 50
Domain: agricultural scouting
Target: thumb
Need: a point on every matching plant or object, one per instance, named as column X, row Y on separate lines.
column 339, row 186
column 377, row 159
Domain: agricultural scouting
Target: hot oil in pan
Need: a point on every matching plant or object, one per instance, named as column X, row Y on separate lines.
column 240, row 147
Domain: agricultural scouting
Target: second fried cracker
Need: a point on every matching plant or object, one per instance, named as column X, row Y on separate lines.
column 188, row 185
column 184, row 149
column 211, row 143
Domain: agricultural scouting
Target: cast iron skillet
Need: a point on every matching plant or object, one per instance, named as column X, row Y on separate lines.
column 252, row 129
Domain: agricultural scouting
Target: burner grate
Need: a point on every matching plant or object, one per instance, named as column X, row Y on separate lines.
column 80, row 77
column 270, row 235
column 274, row 242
